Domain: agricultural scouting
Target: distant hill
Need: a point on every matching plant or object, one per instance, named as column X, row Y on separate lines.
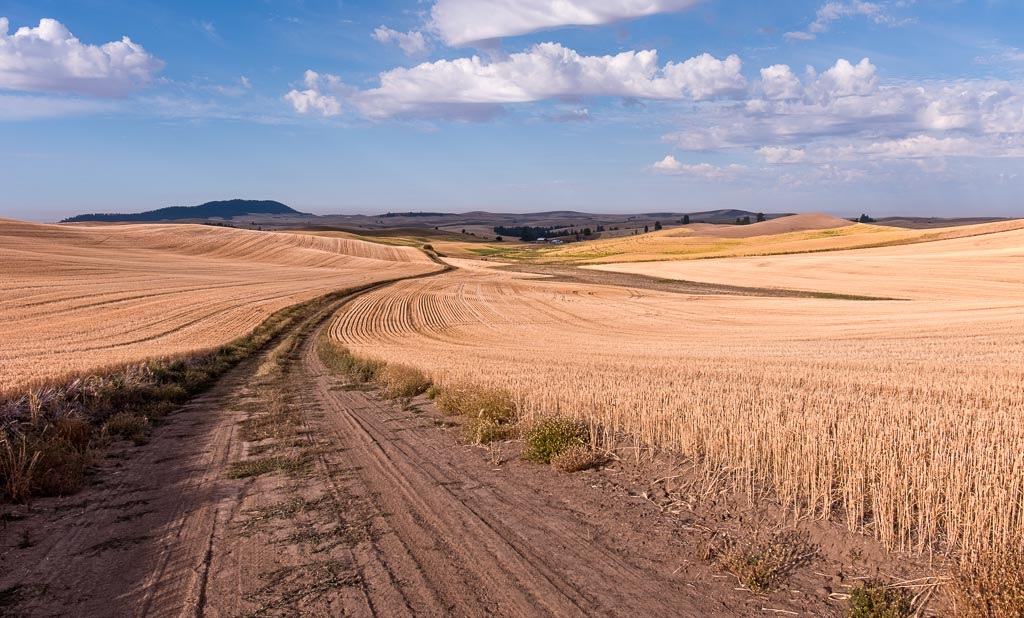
column 227, row 209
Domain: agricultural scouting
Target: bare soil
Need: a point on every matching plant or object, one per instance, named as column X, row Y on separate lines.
column 286, row 491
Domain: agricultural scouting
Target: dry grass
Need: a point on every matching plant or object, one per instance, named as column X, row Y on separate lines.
column 79, row 299
column 990, row 585
column 901, row 419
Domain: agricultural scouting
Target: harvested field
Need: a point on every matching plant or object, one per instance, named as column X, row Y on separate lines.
column 794, row 234
column 899, row 418
column 79, row 299
column 982, row 268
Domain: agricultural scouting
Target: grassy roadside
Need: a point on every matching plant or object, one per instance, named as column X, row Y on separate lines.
column 51, row 436
column 990, row 585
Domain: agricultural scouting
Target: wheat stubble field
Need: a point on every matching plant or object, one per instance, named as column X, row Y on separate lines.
column 898, row 418
column 80, row 299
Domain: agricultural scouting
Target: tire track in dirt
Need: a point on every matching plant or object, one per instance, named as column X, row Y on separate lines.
column 462, row 537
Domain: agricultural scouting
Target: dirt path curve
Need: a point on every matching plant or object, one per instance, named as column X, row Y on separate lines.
column 348, row 505
column 459, row 535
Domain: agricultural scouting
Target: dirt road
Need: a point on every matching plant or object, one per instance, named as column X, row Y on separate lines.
column 284, row 491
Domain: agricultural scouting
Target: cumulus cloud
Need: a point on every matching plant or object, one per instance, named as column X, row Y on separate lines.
column 48, row 58
column 317, row 97
column 545, row 71
column 463, row 22
column 704, row 171
column 779, row 82
column 834, row 11
column 412, row 43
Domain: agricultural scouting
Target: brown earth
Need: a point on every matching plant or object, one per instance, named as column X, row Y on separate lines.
column 368, row 507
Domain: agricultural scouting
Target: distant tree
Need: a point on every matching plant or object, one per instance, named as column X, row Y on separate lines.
column 686, row 219
column 657, row 225
column 463, row 230
column 499, row 238
column 866, row 219
column 760, row 217
column 746, row 220
column 646, row 229
column 600, row 229
column 586, row 231
column 739, row 221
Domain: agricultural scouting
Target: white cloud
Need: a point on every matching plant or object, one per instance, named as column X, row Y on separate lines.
column 921, row 146
column 834, row 11
column 846, row 79
column 547, row 71
column 704, row 171
column 316, row 98
column 463, row 22
column 412, row 43
column 779, row 82
column 48, row 58
column 780, row 154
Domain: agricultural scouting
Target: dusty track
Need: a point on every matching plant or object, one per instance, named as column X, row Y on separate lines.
column 393, row 516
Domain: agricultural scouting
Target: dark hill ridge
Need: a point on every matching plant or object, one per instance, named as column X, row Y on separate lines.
column 227, row 209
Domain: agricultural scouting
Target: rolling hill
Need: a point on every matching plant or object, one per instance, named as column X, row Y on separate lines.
column 226, row 209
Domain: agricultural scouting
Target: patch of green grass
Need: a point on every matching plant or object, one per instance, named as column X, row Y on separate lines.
column 548, row 437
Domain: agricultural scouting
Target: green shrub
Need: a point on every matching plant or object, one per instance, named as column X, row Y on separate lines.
column 551, row 436
column 873, row 599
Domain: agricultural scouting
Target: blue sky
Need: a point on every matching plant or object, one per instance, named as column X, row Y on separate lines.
column 848, row 106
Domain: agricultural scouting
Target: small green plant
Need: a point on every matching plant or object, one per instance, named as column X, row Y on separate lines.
column 433, row 391
column 549, row 437
column 990, row 584
column 873, row 599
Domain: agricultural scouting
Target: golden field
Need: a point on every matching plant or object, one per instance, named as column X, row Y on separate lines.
column 805, row 233
column 899, row 418
column 76, row 299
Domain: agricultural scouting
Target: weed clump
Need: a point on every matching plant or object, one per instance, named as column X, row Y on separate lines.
column 577, row 458
column 873, row 599
column 548, row 438
column 478, row 403
column 761, row 563
column 398, row 381
column 130, row 426
column 340, row 360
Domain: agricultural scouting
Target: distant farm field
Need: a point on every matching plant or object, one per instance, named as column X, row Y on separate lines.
column 76, row 299
column 899, row 418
